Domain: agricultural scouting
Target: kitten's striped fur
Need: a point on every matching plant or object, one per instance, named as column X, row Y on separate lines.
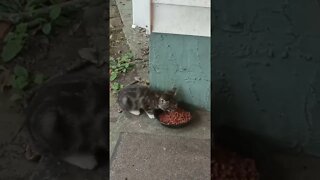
column 134, row 98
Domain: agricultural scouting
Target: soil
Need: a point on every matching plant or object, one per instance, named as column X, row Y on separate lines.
column 118, row 47
column 83, row 40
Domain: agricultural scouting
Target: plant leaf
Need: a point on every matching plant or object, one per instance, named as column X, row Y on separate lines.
column 115, row 86
column 55, row 12
column 46, row 28
column 20, row 82
column 10, row 36
column 113, row 76
column 21, row 28
column 20, row 71
column 11, row 49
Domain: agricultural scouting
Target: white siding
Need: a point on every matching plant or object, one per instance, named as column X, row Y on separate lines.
column 186, row 17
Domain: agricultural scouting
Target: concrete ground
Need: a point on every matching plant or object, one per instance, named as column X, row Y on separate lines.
column 141, row 148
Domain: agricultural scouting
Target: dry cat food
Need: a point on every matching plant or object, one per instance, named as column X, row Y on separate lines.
column 228, row 165
column 177, row 117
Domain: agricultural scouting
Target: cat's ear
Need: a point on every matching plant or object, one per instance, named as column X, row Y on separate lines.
column 174, row 91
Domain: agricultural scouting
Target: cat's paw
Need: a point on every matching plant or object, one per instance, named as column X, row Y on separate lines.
column 137, row 113
column 31, row 154
column 151, row 116
column 83, row 161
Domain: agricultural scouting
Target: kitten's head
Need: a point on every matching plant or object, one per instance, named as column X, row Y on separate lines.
column 167, row 101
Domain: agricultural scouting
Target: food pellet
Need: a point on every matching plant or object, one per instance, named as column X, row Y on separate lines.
column 177, row 117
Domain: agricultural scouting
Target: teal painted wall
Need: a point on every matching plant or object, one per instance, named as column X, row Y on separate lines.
column 184, row 62
column 266, row 72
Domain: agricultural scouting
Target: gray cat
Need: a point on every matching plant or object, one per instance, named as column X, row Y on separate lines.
column 67, row 119
column 134, row 98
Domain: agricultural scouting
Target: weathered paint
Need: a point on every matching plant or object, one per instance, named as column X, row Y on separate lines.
column 184, row 62
column 266, row 70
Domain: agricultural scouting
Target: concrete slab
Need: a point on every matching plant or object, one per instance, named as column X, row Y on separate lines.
column 199, row 127
column 113, row 138
column 113, row 108
column 145, row 156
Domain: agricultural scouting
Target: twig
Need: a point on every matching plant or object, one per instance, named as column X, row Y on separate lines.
column 19, row 130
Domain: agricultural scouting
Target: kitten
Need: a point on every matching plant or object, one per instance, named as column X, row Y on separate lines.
column 133, row 98
column 67, row 119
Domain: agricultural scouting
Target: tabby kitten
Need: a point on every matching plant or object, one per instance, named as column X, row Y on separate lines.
column 67, row 119
column 133, row 98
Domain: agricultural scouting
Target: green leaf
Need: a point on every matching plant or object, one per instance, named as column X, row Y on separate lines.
column 124, row 70
column 38, row 78
column 46, row 28
column 126, row 65
column 21, row 28
column 115, row 86
column 10, row 36
column 55, row 12
column 20, row 82
column 11, row 49
column 20, row 71
column 113, row 76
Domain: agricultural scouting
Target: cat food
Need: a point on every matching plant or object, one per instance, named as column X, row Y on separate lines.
column 177, row 117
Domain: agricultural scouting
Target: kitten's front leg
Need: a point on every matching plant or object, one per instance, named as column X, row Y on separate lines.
column 150, row 113
column 135, row 112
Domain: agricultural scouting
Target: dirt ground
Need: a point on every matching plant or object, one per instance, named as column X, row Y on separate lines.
column 84, row 39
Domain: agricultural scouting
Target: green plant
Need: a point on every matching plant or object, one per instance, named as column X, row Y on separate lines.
column 11, row 6
column 14, row 42
column 120, row 65
column 20, row 78
column 115, row 87
column 53, row 15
